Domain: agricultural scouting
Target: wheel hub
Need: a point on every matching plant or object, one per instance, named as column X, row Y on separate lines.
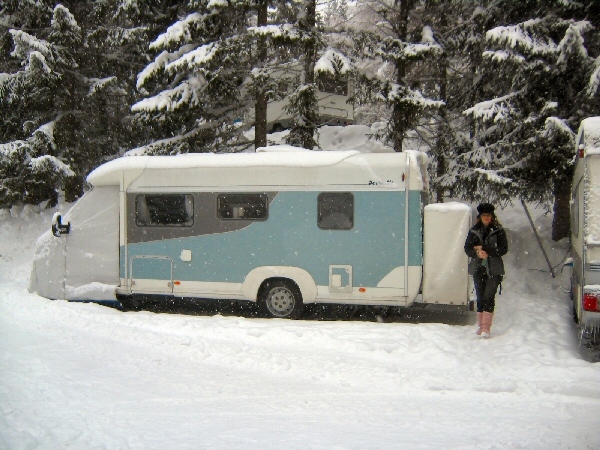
column 280, row 302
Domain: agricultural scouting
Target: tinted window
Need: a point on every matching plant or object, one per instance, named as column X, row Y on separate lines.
column 336, row 211
column 242, row 206
column 164, row 210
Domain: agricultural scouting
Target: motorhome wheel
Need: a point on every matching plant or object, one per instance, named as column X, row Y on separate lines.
column 282, row 299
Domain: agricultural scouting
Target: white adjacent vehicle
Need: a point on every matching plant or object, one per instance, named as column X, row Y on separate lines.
column 585, row 229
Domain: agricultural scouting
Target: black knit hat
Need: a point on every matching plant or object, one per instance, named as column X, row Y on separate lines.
column 485, row 208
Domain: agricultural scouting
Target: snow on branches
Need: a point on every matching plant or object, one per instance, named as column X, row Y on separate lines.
column 594, row 82
column 184, row 95
column 25, row 44
column 194, row 59
column 284, row 31
column 497, row 109
column 395, row 49
column 178, row 33
column 522, row 38
column 555, row 126
column 48, row 163
column 402, row 94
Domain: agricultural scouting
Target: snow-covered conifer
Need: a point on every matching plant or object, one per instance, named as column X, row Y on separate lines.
column 195, row 89
column 65, row 93
column 542, row 72
column 399, row 43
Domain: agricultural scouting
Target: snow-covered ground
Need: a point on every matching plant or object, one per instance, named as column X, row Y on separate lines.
column 84, row 376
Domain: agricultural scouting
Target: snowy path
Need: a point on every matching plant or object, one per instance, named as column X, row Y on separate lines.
column 85, row 376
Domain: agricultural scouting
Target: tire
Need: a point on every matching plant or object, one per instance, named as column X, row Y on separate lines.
column 277, row 128
column 281, row 299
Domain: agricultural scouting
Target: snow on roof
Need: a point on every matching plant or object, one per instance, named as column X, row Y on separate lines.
column 329, row 60
column 591, row 125
column 285, row 156
column 591, row 129
column 281, row 148
column 447, row 207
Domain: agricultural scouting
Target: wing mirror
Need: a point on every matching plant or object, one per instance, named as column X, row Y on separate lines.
column 58, row 227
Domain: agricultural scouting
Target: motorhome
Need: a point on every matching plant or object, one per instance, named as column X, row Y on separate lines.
column 333, row 95
column 585, row 228
column 282, row 228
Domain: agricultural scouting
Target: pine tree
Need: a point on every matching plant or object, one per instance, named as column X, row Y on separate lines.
column 524, row 141
column 67, row 98
column 199, row 83
column 323, row 56
column 303, row 102
column 31, row 166
column 274, row 71
column 459, row 27
column 401, row 42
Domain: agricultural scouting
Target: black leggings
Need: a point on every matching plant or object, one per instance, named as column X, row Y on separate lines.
column 485, row 289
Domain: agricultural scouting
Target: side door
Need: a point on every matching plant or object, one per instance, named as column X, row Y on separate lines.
column 151, row 274
column 156, row 223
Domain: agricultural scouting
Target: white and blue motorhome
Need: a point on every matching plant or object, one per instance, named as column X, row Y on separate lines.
column 585, row 228
column 279, row 228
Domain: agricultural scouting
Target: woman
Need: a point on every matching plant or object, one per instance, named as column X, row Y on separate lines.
column 486, row 244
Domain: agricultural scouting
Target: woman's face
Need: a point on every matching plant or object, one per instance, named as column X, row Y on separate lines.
column 486, row 219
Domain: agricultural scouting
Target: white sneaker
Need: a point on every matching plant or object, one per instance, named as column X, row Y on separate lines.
column 485, row 335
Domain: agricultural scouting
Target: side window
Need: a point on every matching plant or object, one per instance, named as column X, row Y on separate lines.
column 242, row 206
column 336, row 211
column 159, row 210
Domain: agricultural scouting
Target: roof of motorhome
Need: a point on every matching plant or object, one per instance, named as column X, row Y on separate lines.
column 591, row 128
column 109, row 173
column 448, row 207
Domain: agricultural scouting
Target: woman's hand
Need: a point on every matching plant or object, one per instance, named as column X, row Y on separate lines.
column 480, row 252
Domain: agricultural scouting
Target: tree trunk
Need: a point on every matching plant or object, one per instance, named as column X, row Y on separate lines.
column 561, row 222
column 441, row 141
column 310, row 56
column 400, row 120
column 260, row 109
column 441, row 170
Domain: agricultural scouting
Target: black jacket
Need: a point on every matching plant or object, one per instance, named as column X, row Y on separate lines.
column 494, row 243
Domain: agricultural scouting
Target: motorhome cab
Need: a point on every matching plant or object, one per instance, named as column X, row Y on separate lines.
column 585, row 228
column 276, row 227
